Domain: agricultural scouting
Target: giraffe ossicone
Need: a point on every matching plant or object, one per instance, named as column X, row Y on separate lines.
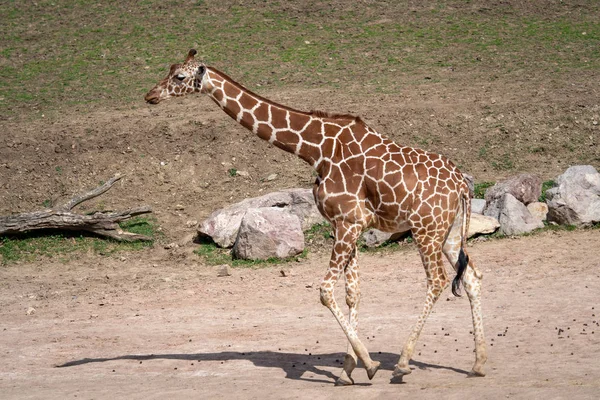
column 364, row 180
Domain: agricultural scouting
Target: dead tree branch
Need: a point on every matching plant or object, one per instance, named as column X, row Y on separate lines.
column 100, row 223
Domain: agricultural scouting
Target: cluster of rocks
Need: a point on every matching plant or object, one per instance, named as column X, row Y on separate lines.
column 574, row 200
column 273, row 225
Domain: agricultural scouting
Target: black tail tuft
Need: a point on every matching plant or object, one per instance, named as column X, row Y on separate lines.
column 461, row 265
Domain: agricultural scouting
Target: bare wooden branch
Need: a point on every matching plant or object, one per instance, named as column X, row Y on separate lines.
column 101, row 223
column 90, row 195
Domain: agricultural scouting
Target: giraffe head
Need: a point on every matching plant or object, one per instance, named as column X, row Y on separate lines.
column 182, row 79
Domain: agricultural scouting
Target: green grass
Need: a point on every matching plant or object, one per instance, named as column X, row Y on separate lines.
column 66, row 53
column 318, row 231
column 211, row 254
column 480, row 188
column 33, row 245
column 545, row 186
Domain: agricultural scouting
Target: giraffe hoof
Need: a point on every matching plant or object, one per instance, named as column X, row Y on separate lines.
column 371, row 371
column 344, row 380
column 399, row 373
column 476, row 373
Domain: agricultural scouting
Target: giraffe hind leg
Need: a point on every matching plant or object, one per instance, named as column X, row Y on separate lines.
column 351, row 274
column 471, row 280
column 437, row 281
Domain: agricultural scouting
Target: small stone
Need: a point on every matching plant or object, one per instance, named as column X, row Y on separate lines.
column 224, row 270
column 171, row 246
column 179, row 207
column 243, row 173
column 191, row 223
column 271, row 177
column 285, row 272
column 30, row 311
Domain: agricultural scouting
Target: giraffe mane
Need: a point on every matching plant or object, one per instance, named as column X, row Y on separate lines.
column 326, row 114
column 314, row 113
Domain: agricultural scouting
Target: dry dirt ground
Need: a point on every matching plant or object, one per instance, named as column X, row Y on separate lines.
column 156, row 325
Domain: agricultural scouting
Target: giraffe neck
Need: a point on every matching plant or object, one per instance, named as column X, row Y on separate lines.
column 294, row 131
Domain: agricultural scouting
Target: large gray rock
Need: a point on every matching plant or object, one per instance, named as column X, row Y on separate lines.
column 526, row 188
column 515, row 218
column 477, row 206
column 375, row 237
column 576, row 199
column 482, row 225
column 222, row 225
column 268, row 232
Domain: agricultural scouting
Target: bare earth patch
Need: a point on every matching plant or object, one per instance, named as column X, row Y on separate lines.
column 157, row 324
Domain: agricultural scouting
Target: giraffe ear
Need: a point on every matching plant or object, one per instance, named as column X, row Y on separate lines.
column 191, row 55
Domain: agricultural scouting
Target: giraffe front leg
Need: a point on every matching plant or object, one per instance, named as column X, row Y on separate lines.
column 352, row 300
column 342, row 255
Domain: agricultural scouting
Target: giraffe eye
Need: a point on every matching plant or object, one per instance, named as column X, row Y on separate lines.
column 180, row 77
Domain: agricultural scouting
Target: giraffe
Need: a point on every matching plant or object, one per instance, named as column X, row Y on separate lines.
column 364, row 180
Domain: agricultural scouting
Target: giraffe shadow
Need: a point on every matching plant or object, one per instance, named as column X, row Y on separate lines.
column 306, row 367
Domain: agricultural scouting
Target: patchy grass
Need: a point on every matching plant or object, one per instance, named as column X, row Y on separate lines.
column 211, row 254
column 480, row 188
column 322, row 231
column 33, row 245
column 545, row 186
column 66, row 53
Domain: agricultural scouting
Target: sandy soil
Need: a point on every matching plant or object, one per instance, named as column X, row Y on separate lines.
column 155, row 325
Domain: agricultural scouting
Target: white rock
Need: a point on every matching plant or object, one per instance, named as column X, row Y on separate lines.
column 268, row 232
column 576, row 199
column 477, row 206
column 515, row 218
column 223, row 225
column 482, row 225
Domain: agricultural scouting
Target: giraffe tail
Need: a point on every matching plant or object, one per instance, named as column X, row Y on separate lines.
column 463, row 257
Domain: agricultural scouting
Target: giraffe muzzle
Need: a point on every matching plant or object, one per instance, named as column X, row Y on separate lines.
column 152, row 98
